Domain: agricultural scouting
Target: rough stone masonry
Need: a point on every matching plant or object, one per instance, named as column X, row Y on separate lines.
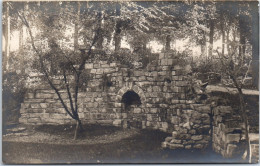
column 153, row 97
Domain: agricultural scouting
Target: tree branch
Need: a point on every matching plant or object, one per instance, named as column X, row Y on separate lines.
column 68, row 91
column 81, row 67
column 243, row 81
column 41, row 62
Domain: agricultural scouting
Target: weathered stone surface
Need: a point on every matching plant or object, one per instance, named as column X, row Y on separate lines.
column 169, row 62
column 164, row 126
column 44, row 105
column 184, row 136
column 112, row 64
column 160, row 87
column 30, row 111
column 30, row 95
column 165, row 144
column 168, row 139
column 187, row 125
column 57, row 116
column 176, row 141
column 204, row 109
column 89, row 66
column 196, row 137
column 187, row 146
column 23, row 120
column 164, row 62
column 161, row 55
column 118, row 105
column 198, row 146
column 44, row 95
column 174, row 134
column 35, row 105
column 137, row 110
column 231, row 148
column 33, row 120
column 232, row 138
column 154, row 110
column 222, row 109
column 176, row 146
column 117, row 122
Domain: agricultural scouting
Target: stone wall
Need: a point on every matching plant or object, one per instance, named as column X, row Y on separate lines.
column 229, row 134
column 192, row 129
column 254, row 147
column 161, row 87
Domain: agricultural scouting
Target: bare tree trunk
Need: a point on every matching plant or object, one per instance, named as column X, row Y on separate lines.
column 203, row 48
column 223, row 34
column 78, row 129
column 168, row 43
column 6, row 33
column 100, row 37
column 243, row 115
column 228, row 49
column 255, row 44
column 242, row 37
column 76, row 28
column 21, row 51
column 117, row 37
column 211, row 35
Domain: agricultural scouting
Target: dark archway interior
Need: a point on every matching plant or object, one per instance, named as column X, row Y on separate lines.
column 131, row 98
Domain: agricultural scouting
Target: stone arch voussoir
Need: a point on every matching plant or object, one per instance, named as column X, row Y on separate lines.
column 128, row 87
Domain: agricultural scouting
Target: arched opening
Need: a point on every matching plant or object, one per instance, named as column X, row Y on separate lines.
column 131, row 98
column 131, row 105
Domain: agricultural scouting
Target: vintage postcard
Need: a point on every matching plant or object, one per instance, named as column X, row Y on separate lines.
column 130, row 82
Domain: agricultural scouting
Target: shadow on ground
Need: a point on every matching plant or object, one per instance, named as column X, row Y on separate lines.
column 67, row 131
column 143, row 147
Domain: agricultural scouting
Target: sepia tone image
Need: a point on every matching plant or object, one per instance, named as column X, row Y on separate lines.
column 130, row 82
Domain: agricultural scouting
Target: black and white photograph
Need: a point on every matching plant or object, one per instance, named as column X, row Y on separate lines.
column 130, row 82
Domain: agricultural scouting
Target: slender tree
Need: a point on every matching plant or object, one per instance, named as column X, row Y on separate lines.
column 6, row 34
column 65, row 64
column 76, row 29
column 255, row 42
column 118, row 26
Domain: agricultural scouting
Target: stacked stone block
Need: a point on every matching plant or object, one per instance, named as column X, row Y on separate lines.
column 161, row 87
column 254, row 147
column 228, row 132
column 191, row 128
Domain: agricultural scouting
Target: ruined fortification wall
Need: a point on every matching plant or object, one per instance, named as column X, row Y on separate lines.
column 161, row 87
column 227, row 131
column 228, row 137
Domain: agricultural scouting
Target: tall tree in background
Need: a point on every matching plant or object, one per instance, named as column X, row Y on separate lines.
column 197, row 23
column 6, row 34
column 118, row 26
column 76, row 29
column 255, row 42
